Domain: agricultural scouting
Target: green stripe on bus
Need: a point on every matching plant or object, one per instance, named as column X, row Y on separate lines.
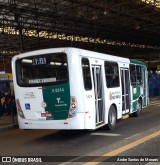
column 137, row 62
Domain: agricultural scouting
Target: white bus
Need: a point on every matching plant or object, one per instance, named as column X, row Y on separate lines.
column 70, row 88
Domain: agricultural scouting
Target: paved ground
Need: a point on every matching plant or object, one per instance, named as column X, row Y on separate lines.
column 16, row 142
column 8, row 121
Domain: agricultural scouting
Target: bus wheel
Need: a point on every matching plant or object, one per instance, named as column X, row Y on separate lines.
column 139, row 108
column 112, row 117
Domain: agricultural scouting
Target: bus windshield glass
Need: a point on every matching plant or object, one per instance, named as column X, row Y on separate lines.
column 41, row 70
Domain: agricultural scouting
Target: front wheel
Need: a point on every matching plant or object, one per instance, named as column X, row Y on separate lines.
column 112, row 117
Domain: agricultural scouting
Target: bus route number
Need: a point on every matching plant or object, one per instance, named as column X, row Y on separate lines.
column 39, row 61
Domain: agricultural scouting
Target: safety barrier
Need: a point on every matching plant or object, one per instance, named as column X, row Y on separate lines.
column 154, row 85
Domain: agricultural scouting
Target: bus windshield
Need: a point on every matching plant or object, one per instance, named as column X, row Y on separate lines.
column 41, row 70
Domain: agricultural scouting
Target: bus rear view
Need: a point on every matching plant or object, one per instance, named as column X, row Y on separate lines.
column 41, row 82
column 70, row 88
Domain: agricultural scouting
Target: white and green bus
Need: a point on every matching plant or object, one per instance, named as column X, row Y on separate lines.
column 70, row 88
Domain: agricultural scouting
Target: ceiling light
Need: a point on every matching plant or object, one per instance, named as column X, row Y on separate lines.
column 105, row 12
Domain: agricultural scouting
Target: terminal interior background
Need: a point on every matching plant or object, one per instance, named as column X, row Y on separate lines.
column 123, row 28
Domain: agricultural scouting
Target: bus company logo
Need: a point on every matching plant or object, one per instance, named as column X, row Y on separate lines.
column 58, row 100
column 29, row 95
column 114, row 95
column 6, row 159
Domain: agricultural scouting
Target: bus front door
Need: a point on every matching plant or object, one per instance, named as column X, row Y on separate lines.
column 98, row 91
column 125, row 85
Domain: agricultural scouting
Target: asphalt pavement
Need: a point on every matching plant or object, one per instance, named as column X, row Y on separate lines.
column 8, row 121
column 132, row 137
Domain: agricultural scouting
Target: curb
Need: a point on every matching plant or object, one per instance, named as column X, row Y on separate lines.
column 10, row 126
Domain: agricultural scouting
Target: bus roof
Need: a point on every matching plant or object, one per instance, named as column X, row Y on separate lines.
column 137, row 62
column 104, row 56
column 79, row 51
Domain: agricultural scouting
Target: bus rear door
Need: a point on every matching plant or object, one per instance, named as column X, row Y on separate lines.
column 125, row 90
column 98, row 91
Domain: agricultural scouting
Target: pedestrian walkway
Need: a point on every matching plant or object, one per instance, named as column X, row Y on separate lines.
column 7, row 121
column 157, row 98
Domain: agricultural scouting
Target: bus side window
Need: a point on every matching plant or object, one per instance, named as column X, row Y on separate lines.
column 86, row 74
column 139, row 74
column 112, row 74
column 133, row 74
column 136, row 74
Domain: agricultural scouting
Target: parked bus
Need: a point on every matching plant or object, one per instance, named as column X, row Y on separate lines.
column 70, row 88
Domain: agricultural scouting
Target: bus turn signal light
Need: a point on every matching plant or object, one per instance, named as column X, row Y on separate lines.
column 73, row 105
column 73, row 100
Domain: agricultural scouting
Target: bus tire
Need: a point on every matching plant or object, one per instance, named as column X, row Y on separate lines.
column 139, row 108
column 112, row 117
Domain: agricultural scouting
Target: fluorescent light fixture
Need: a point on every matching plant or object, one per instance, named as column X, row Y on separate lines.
column 55, row 63
column 27, row 61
